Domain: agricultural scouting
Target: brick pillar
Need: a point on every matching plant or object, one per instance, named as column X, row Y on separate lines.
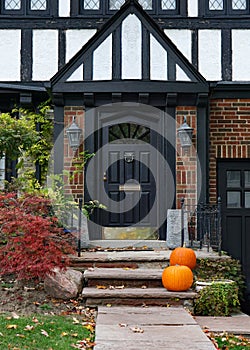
column 74, row 172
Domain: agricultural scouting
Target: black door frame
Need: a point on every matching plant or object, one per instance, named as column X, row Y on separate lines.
column 96, row 119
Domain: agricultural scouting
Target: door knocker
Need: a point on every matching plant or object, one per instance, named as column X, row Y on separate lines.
column 129, row 157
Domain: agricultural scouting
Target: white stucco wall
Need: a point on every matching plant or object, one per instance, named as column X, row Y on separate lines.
column 64, row 8
column 158, row 60
column 240, row 54
column 131, row 48
column 10, row 57
column 192, row 8
column 182, row 38
column 210, row 54
column 181, row 75
column 77, row 74
column 45, row 54
column 102, row 60
column 76, row 39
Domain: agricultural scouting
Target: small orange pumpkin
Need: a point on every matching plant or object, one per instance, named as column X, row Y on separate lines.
column 183, row 256
column 177, row 278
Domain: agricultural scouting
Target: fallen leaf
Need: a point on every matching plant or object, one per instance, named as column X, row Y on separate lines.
column 109, row 305
column 35, row 320
column 122, row 325
column 137, row 330
column 28, row 328
column 1, row 334
column 144, row 287
column 20, row 335
column 75, row 320
column 11, row 326
column 119, row 287
column 43, row 332
column 101, row 287
column 64, row 334
column 15, row 316
column 74, row 335
column 89, row 327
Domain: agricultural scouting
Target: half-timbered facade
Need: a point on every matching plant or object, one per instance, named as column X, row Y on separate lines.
column 132, row 70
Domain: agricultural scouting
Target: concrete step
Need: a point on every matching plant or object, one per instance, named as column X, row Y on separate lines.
column 126, row 277
column 135, row 296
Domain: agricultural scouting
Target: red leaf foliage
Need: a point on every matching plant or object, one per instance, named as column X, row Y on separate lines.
column 32, row 244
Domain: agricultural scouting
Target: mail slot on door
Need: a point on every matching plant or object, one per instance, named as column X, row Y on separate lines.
column 130, row 187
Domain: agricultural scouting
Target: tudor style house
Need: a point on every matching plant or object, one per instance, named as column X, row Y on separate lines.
column 130, row 73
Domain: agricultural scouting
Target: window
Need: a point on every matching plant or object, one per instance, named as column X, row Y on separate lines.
column 38, row 5
column 228, row 7
column 106, row 7
column 29, row 7
column 116, row 4
column 12, row 4
column 216, row 5
column 238, row 188
column 168, row 4
column 91, row 4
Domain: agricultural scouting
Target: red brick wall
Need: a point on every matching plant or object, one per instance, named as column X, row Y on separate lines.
column 73, row 179
column 229, row 134
column 186, row 165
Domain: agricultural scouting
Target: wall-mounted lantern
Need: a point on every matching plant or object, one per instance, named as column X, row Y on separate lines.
column 185, row 133
column 74, row 135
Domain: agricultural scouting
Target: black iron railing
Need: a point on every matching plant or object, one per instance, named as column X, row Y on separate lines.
column 204, row 224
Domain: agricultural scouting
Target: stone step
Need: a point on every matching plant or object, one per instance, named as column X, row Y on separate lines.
column 136, row 296
column 130, row 258
column 126, row 277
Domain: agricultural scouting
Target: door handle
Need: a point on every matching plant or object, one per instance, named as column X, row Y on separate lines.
column 104, row 176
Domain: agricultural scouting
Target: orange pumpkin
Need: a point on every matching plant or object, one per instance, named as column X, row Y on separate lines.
column 177, row 278
column 183, row 256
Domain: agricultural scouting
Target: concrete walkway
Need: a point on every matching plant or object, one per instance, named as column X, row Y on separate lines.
column 237, row 324
column 133, row 328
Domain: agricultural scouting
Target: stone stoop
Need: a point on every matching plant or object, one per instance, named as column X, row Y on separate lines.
column 129, row 277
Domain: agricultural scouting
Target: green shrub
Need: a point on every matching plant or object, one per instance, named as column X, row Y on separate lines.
column 228, row 268
column 217, row 299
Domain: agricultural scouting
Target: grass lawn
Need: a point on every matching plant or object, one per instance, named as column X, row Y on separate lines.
column 225, row 341
column 45, row 333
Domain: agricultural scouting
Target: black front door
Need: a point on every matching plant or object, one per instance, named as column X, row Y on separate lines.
column 128, row 178
column 234, row 190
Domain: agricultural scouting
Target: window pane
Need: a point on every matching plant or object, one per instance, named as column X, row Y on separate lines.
column 12, row 5
column 115, row 4
column 247, row 199
column 247, row 179
column 239, row 4
column 233, row 178
column 91, row 4
column 38, row 5
column 216, row 5
column 233, row 200
column 146, row 4
column 168, row 4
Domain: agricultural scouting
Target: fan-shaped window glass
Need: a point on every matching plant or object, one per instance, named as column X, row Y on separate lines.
column 129, row 133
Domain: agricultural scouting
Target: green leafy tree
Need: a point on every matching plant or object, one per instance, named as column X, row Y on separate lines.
column 27, row 136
